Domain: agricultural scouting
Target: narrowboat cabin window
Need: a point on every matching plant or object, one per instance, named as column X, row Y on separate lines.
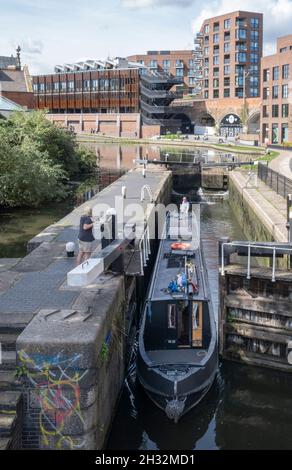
column 171, row 316
column 197, row 330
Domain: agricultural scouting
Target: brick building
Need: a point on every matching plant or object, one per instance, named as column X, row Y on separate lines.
column 276, row 125
column 180, row 64
column 231, row 50
column 15, row 81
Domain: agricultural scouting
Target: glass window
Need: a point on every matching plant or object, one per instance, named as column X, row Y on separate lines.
column 284, row 132
column 227, row 47
column 206, row 50
column 153, row 63
column 216, row 38
column 266, row 75
column 226, row 69
column 276, row 73
column 35, row 87
column 275, row 92
column 254, row 46
column 179, row 72
column 254, row 92
column 226, row 92
column 166, row 64
column 216, row 60
column 227, row 23
column 254, row 35
column 86, row 84
column 285, row 110
column 240, row 34
column 94, row 85
column 285, row 71
column 285, row 91
column 254, row 58
column 63, row 86
column 179, row 63
column 240, row 57
column 216, row 27
column 42, row 87
column 266, row 93
column 254, row 23
column 226, row 81
column 216, row 94
column 71, row 85
column 206, row 94
column 265, row 111
column 239, row 80
column 206, row 29
column 171, row 316
column 216, row 82
column 206, row 83
column 275, row 134
column 275, row 110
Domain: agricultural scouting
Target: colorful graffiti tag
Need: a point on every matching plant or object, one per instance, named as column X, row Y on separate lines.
column 56, row 383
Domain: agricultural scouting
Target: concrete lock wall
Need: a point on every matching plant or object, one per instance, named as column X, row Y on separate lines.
column 71, row 360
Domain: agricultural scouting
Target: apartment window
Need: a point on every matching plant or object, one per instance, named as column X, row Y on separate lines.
column 227, row 36
column 191, row 72
column 206, row 73
column 227, row 59
column 216, row 72
column 206, row 50
column 86, row 85
column 239, row 80
column 266, row 93
column 226, row 81
column 285, row 71
column 216, row 60
column 216, row 83
column 283, row 49
column 166, row 64
column 216, row 94
column 254, row 35
column 71, row 85
column 266, row 75
column 254, row 23
column 226, row 69
column 284, row 132
column 240, row 34
column 254, row 80
column 226, row 92
column 42, row 87
column 206, row 94
column 254, row 46
column 276, row 73
column 206, row 83
column 285, row 91
column 95, row 85
column 153, row 64
column 275, row 92
column 253, row 92
column 239, row 92
column 215, row 38
column 285, row 110
column 216, row 27
column 240, row 46
column 216, row 49
column 179, row 72
column 275, row 110
column 265, row 111
column 56, row 86
column 227, row 47
column 254, row 68
column 239, row 69
column 206, row 40
column 254, row 58
column 179, row 63
column 240, row 57
column 191, row 62
column 206, row 61
column 48, row 86
column 35, row 87
column 63, row 86
column 206, row 29
column 275, row 134
column 227, row 23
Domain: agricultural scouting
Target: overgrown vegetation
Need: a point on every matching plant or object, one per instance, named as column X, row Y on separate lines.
column 36, row 160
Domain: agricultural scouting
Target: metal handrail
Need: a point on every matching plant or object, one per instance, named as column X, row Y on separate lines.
column 145, row 249
column 278, row 182
column 249, row 246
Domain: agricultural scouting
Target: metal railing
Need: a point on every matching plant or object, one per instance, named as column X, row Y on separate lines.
column 279, row 183
column 145, row 250
column 272, row 250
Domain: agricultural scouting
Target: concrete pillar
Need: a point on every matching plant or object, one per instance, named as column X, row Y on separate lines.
column 97, row 123
column 119, row 125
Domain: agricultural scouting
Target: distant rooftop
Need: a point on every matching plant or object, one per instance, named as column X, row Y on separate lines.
column 97, row 64
column 13, row 62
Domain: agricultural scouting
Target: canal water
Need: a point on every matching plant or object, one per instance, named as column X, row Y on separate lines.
column 247, row 407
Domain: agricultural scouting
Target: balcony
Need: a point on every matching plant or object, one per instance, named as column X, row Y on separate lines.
column 160, row 94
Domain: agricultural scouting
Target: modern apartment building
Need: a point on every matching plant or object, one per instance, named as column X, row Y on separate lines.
column 116, row 87
column 276, row 125
column 230, row 49
column 180, row 64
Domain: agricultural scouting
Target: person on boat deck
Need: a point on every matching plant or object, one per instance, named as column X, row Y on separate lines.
column 184, row 207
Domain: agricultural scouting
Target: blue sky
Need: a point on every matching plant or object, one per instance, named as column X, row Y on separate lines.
column 58, row 31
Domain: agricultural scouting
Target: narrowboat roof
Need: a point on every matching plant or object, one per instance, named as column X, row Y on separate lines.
column 169, row 264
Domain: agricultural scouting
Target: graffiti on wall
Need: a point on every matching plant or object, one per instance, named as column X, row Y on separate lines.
column 55, row 381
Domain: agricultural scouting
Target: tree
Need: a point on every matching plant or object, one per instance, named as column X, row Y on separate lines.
column 36, row 159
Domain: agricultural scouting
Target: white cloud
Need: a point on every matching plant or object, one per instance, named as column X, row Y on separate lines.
column 155, row 3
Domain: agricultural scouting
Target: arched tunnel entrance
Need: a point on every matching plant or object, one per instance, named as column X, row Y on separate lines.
column 253, row 124
column 187, row 127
